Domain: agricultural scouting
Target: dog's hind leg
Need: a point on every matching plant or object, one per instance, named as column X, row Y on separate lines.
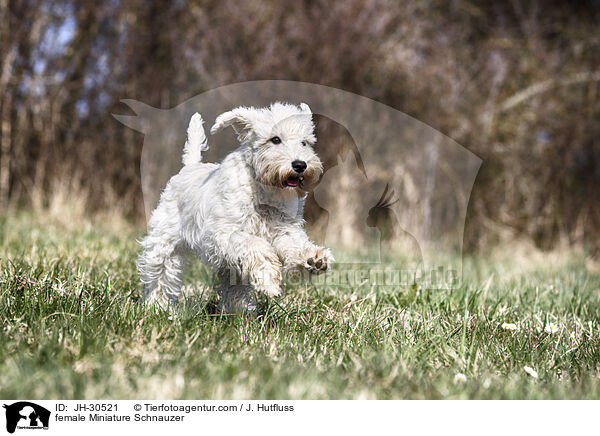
column 160, row 269
column 162, row 260
column 236, row 297
column 161, row 278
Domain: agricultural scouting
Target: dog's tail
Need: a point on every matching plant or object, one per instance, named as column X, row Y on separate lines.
column 196, row 141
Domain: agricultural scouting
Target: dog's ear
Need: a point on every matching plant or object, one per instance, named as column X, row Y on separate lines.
column 240, row 118
column 305, row 108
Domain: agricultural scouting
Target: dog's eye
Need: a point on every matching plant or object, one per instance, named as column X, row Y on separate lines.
column 276, row 140
column 304, row 143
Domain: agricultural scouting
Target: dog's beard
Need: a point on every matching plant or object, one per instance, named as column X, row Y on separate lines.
column 275, row 170
column 285, row 178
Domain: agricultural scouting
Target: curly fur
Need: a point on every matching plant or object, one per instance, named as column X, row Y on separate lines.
column 242, row 217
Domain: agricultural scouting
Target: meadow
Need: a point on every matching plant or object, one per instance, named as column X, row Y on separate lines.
column 71, row 327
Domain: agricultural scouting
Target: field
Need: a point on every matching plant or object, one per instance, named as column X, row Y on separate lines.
column 71, row 327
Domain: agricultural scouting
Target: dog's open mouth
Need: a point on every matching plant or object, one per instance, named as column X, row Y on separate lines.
column 293, row 181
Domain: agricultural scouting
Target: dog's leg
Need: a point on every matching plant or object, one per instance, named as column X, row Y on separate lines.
column 237, row 298
column 298, row 252
column 256, row 261
column 160, row 266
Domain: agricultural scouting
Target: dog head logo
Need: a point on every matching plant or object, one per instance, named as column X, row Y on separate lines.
column 430, row 175
column 392, row 235
column 26, row 415
column 346, row 175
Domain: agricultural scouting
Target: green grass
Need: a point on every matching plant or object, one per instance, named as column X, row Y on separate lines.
column 71, row 327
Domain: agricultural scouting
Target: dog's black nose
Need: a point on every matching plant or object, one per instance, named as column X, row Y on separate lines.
column 299, row 166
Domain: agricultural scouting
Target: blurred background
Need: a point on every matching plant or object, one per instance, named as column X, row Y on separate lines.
column 515, row 82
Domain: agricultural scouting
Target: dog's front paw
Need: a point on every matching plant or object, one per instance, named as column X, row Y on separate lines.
column 267, row 281
column 319, row 261
column 269, row 289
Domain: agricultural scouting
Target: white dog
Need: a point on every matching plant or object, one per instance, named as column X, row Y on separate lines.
column 242, row 217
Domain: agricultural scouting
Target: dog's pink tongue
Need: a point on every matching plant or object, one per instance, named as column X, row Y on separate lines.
column 292, row 181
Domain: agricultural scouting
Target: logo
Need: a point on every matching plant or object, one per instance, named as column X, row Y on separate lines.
column 26, row 415
column 394, row 191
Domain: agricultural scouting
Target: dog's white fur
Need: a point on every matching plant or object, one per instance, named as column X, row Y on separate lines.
column 240, row 216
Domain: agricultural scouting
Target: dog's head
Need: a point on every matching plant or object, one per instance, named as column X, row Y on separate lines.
column 280, row 142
